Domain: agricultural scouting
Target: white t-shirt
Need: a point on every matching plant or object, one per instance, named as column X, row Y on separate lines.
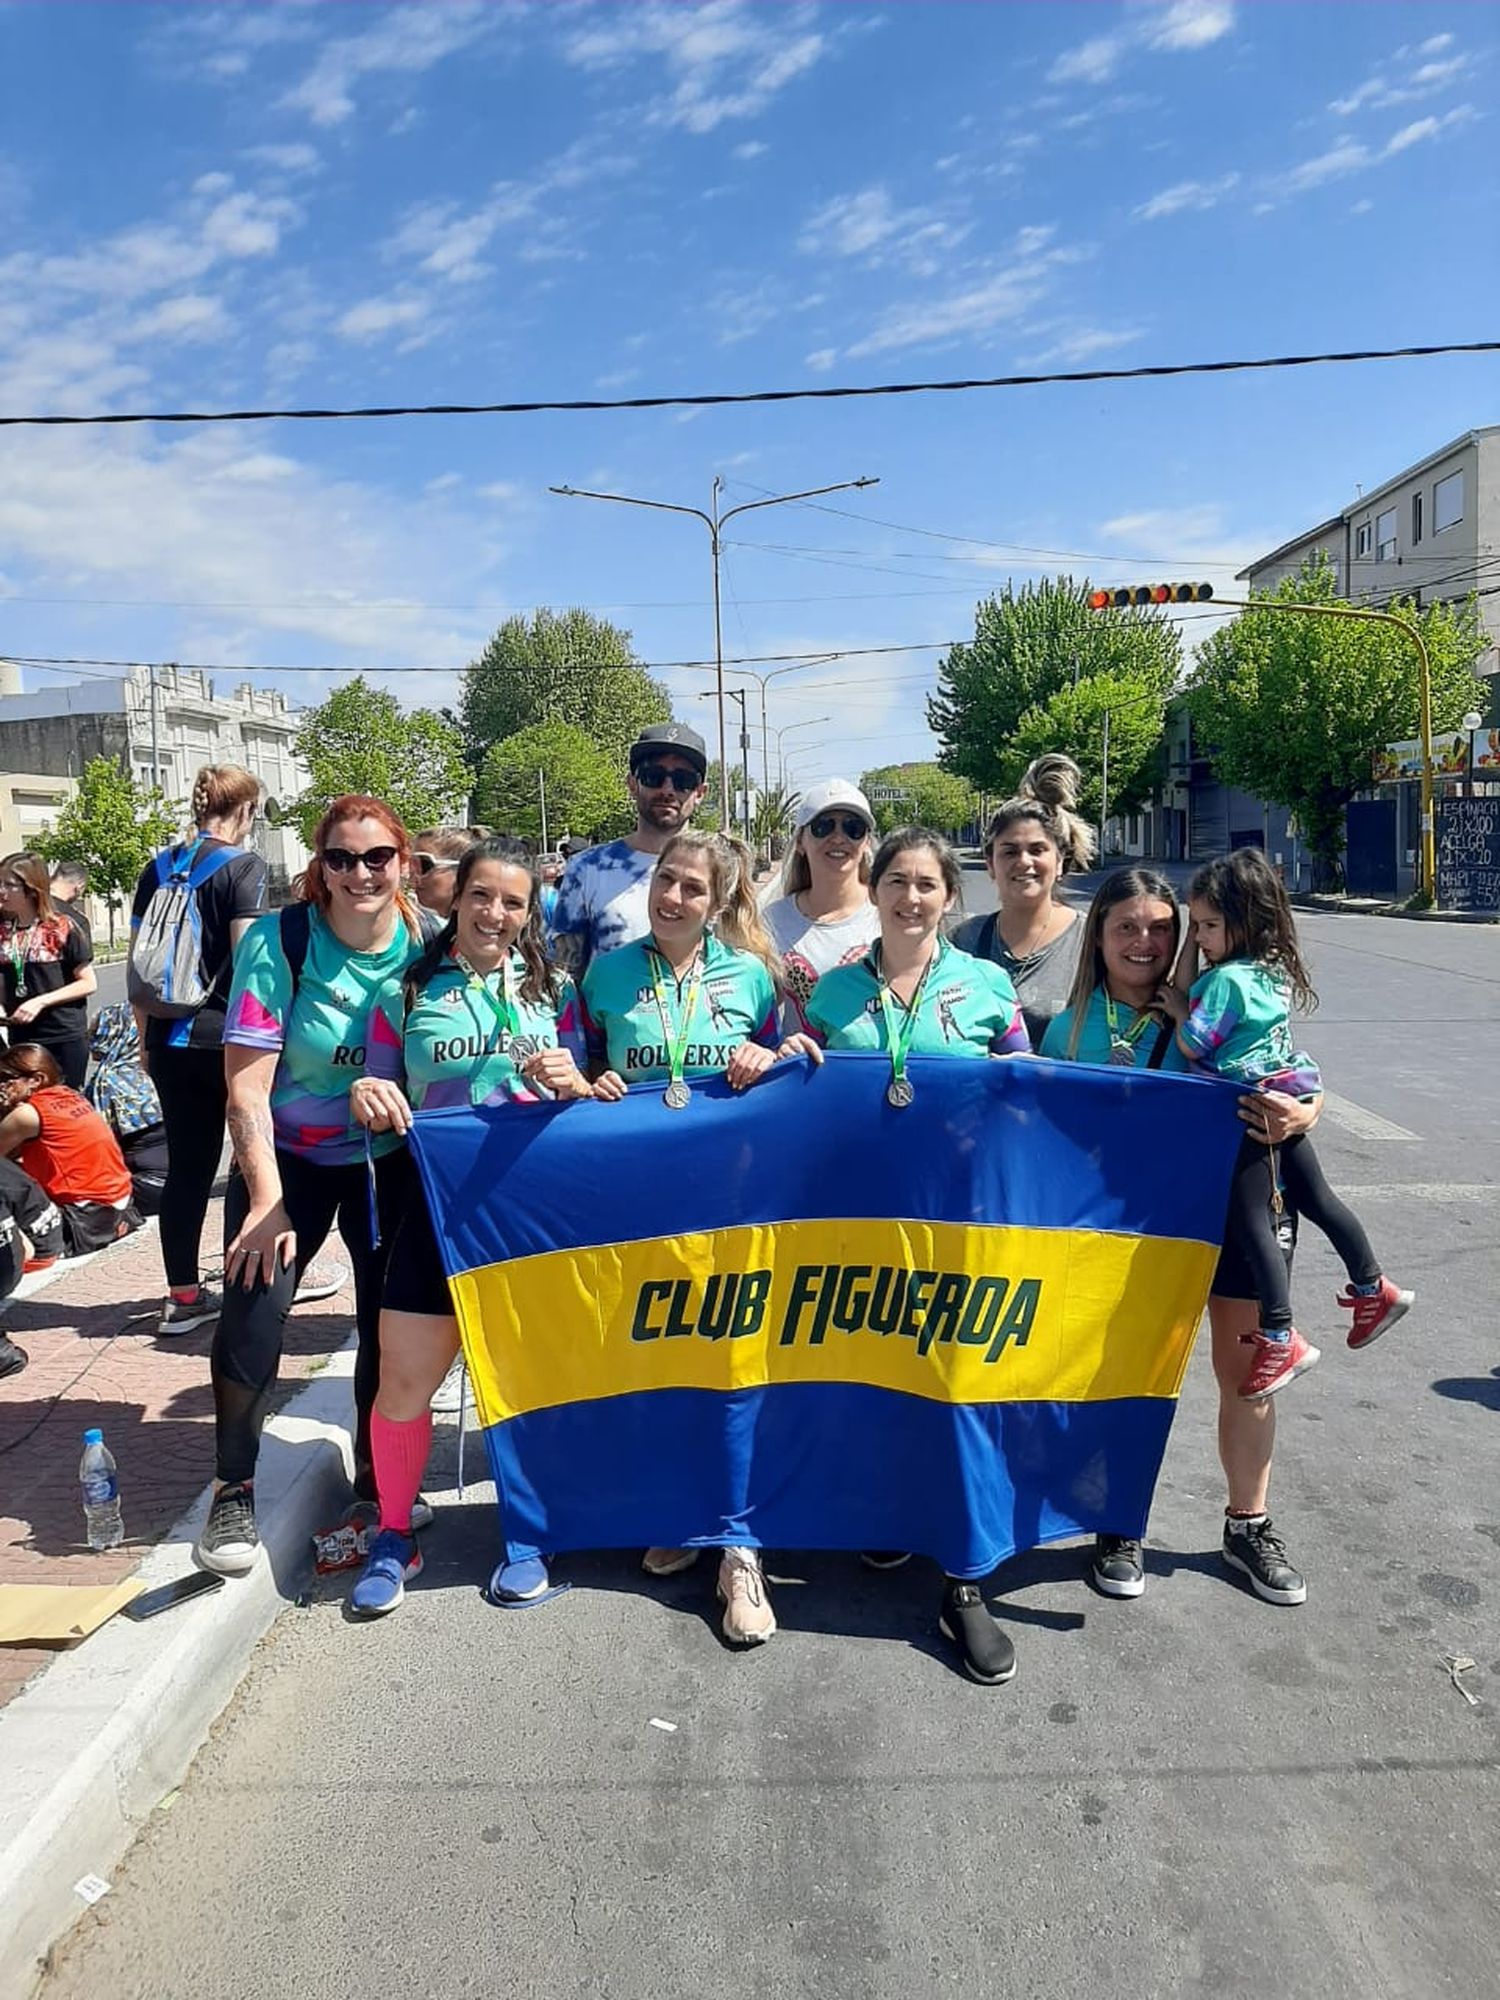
column 602, row 903
column 809, row 948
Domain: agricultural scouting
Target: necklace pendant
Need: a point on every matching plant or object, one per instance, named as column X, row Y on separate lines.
column 899, row 1093
column 1122, row 1053
column 677, row 1095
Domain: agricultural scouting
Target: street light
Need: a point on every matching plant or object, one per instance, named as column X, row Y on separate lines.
column 1472, row 720
column 802, row 667
column 786, row 730
column 714, row 521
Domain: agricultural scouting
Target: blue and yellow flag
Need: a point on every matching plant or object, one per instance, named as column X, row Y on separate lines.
column 802, row 1318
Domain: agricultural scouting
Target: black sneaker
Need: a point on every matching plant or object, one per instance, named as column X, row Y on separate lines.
column 987, row 1655
column 183, row 1315
column 1118, row 1570
column 884, row 1558
column 12, row 1358
column 1255, row 1549
column 229, row 1542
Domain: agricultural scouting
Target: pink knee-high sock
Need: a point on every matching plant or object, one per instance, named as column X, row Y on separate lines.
column 400, row 1455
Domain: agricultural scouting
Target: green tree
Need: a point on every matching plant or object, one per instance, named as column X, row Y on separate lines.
column 1292, row 708
column 585, row 792
column 771, row 821
column 1028, row 648
column 933, row 797
column 113, row 826
column 565, row 667
column 361, row 740
column 1073, row 720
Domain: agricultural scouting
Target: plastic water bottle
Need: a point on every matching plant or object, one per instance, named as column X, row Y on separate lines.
column 101, row 1493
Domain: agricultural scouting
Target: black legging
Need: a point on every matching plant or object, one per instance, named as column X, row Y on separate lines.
column 70, row 1053
column 190, row 1084
column 1252, row 1225
column 246, row 1355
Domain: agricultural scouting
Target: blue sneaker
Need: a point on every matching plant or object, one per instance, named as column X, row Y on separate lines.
column 382, row 1585
column 517, row 1585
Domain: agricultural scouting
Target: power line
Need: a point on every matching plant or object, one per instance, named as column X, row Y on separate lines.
column 723, row 398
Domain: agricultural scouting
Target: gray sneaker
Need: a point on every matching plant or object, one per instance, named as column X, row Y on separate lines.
column 448, row 1397
column 1255, row 1549
column 1118, row 1570
column 229, row 1543
column 321, row 1281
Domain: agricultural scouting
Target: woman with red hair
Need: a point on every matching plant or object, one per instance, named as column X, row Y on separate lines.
column 305, row 979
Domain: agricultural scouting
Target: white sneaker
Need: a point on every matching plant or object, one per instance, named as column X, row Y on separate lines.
column 321, row 1281
column 447, row 1398
column 748, row 1617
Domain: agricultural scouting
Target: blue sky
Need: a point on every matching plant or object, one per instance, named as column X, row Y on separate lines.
column 225, row 206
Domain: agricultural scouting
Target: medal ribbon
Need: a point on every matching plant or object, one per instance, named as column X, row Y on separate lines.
column 502, row 1005
column 676, row 1037
column 1129, row 1036
column 898, row 1033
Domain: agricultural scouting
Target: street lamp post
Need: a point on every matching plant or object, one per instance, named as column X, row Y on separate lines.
column 763, row 681
column 738, row 694
column 714, row 521
column 1472, row 720
column 786, row 730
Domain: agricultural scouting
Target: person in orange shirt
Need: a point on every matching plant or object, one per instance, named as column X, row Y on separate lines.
column 57, row 1137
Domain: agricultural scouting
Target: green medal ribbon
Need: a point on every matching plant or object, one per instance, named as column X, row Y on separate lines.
column 898, row 1033
column 502, row 1005
column 1125, row 1039
column 676, row 1038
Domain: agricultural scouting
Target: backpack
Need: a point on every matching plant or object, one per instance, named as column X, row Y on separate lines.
column 165, row 975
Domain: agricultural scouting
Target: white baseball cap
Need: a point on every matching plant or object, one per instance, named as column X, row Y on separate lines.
column 829, row 796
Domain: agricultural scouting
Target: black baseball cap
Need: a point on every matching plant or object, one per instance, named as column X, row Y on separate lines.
column 661, row 737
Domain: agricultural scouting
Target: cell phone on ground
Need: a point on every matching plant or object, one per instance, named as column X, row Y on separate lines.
column 178, row 1591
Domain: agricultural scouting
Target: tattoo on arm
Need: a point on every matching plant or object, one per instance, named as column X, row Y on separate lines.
column 253, row 1137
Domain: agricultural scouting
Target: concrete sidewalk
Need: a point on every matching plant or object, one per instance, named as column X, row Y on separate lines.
column 93, row 1734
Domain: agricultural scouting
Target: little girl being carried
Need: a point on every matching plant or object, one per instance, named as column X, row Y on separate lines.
column 1236, row 1023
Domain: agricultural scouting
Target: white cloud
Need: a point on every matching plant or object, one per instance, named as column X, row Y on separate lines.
column 822, row 358
column 190, row 317
column 446, row 241
column 297, row 158
column 403, row 42
column 751, row 150
column 1186, row 195
column 372, row 318
column 1400, row 81
column 869, row 225
column 1085, row 344
column 723, row 60
column 248, row 225
column 1349, row 156
column 1181, row 25
column 1435, row 44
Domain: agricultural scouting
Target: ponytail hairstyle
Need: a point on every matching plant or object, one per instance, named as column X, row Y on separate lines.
column 1048, row 794
column 731, row 879
column 1123, row 886
column 222, row 789
column 25, row 1067
column 311, row 885
column 540, row 985
column 1250, row 896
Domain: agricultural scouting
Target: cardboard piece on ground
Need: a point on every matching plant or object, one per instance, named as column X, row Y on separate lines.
column 38, row 1614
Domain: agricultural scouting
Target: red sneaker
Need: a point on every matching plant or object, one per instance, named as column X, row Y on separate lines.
column 1375, row 1311
column 1277, row 1362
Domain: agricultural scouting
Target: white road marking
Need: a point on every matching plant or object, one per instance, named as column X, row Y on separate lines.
column 1433, row 1191
column 1364, row 1124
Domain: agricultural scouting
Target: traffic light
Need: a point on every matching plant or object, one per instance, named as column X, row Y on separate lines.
column 1132, row 595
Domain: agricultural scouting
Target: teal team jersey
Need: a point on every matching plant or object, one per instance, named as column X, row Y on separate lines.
column 967, row 1007
column 623, row 1024
column 1239, row 1026
column 454, row 1044
column 319, row 1033
column 1095, row 1039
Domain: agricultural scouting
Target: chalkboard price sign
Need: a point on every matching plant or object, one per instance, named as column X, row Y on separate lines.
column 1468, row 854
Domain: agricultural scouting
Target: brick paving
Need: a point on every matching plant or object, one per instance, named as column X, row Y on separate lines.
column 96, row 1360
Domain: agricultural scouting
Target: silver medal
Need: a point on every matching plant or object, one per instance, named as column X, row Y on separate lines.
column 521, row 1048
column 677, row 1095
column 899, row 1093
column 1122, row 1054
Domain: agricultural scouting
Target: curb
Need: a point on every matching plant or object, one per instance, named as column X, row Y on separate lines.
column 1342, row 906
column 96, row 1741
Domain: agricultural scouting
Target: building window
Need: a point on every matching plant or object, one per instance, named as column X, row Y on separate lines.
column 1416, row 518
column 1385, row 536
column 1362, row 539
column 1448, row 502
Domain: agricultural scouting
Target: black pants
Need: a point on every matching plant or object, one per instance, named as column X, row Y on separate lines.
column 1252, row 1225
column 190, row 1084
column 246, row 1356
column 26, row 1216
column 71, row 1054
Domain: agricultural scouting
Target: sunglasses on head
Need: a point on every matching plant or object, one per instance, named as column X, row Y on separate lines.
column 854, row 827
column 655, row 776
column 344, row 859
column 425, row 863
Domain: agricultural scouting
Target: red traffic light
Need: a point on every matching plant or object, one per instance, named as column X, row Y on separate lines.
column 1146, row 594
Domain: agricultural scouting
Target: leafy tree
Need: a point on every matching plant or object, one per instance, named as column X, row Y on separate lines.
column 361, row 740
column 1073, row 721
column 113, row 826
column 565, row 667
column 1293, row 707
column 771, row 821
column 934, row 797
column 1028, row 647
column 585, row 790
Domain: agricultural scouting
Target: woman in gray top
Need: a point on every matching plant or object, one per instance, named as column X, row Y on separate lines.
column 1034, row 840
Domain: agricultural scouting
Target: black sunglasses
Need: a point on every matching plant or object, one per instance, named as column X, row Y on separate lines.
column 854, row 827
column 655, row 776
column 344, row 859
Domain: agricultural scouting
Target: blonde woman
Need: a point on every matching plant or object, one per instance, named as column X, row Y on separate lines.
column 823, row 917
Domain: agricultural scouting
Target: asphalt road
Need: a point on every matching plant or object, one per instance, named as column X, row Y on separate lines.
column 1191, row 1794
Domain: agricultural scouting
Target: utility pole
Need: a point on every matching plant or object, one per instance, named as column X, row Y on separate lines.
column 786, row 730
column 541, row 781
column 155, row 763
column 714, row 521
column 1104, row 786
column 764, row 681
column 738, row 694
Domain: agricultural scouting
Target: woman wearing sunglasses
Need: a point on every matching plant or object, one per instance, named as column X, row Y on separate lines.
column 294, row 1044
column 480, row 1018
column 914, row 994
column 694, row 998
column 824, row 917
column 435, row 855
